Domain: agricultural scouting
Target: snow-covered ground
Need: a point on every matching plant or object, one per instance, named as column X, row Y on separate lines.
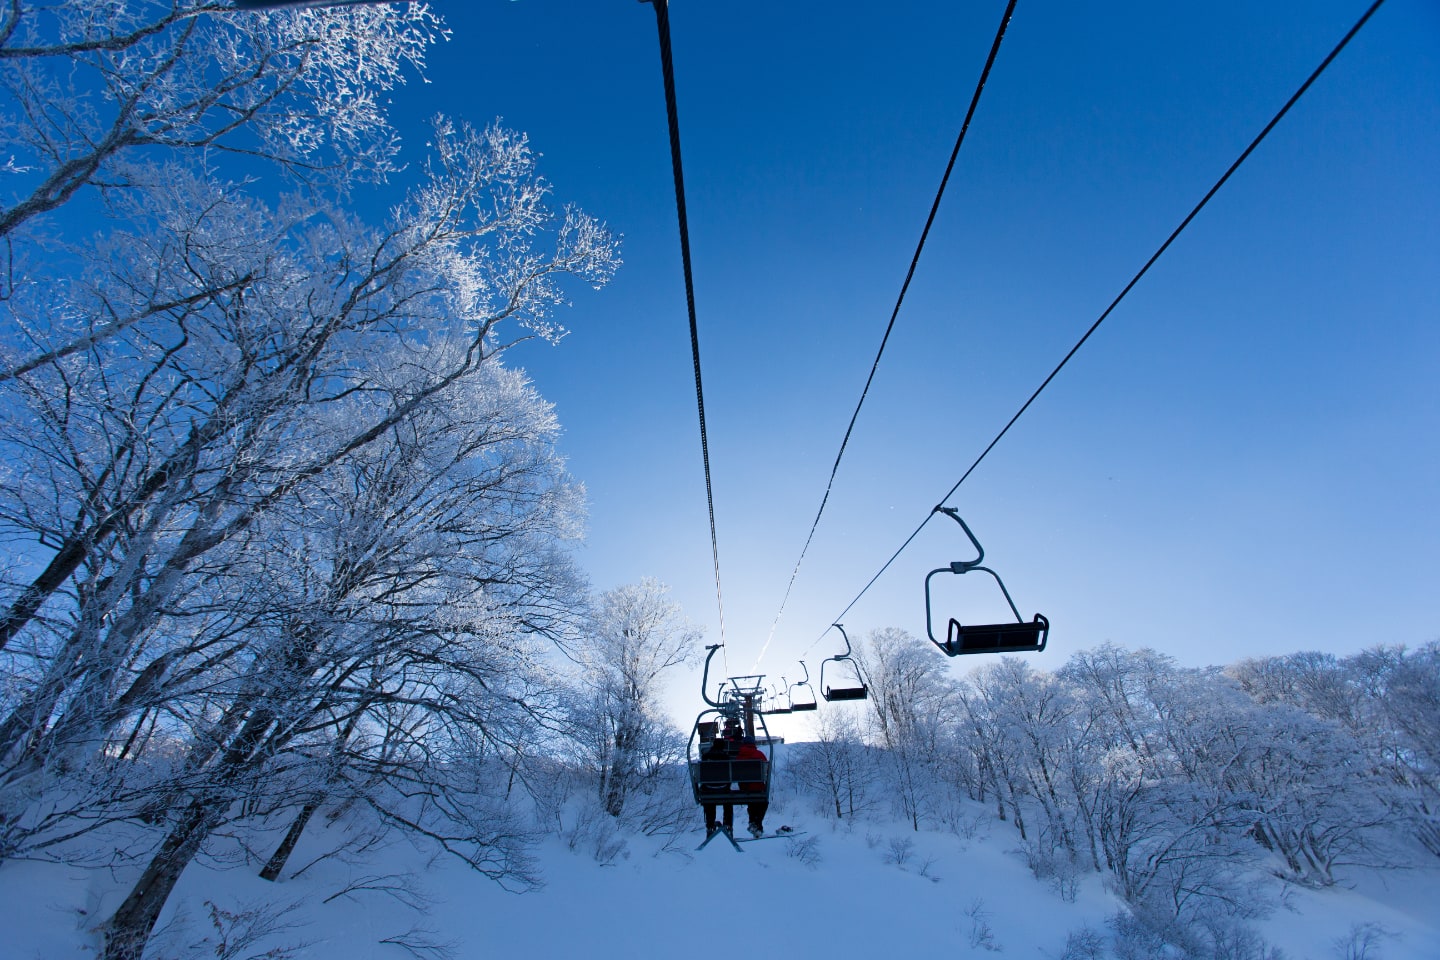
column 836, row 891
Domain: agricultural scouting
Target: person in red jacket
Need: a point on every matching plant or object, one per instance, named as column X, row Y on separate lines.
column 748, row 751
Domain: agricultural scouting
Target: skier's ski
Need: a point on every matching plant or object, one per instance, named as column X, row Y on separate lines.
column 773, row 836
column 721, row 832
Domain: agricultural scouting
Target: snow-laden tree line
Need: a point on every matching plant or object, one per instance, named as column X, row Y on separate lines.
column 285, row 537
column 1175, row 783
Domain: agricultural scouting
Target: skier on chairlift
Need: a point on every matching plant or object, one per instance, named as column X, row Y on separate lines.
column 749, row 751
column 721, row 748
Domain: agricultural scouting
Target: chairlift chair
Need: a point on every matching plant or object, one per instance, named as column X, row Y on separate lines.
column 801, row 694
column 961, row 639
column 783, row 690
column 728, row 781
column 853, row 692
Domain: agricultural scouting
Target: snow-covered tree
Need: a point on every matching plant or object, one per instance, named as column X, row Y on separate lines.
column 279, row 524
column 1386, row 703
column 1029, row 718
column 170, row 442
column 635, row 636
column 838, row 766
column 912, row 702
column 93, row 93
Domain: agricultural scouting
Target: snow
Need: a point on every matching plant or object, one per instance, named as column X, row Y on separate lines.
column 660, row 898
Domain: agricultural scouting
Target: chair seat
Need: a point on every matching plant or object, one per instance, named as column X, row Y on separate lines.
column 996, row 637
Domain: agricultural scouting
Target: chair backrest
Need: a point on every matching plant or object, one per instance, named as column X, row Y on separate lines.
column 730, row 781
column 729, row 771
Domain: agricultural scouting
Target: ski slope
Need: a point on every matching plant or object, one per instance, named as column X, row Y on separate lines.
column 867, row 889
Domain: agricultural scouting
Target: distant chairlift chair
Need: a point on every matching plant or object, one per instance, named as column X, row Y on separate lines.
column 1018, row 637
column 802, row 695
column 781, row 696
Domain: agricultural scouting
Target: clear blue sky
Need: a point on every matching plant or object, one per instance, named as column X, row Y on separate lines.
column 1245, row 458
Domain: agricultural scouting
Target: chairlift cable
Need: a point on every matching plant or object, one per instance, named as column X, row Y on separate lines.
column 662, row 24
column 904, row 287
column 1244, row 155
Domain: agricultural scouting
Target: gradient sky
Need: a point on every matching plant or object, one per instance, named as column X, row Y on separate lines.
column 1244, row 460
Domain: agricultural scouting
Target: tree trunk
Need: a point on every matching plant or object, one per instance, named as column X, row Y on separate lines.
column 129, row 928
column 276, row 863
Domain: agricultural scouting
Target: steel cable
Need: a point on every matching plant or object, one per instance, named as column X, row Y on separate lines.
column 889, row 327
column 1123, row 293
column 662, row 24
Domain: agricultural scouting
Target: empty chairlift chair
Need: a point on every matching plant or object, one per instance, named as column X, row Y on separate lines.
column 781, row 699
column 855, row 688
column 960, row 639
column 802, row 696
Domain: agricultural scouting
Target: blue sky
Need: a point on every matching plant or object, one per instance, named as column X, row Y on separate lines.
column 1244, row 459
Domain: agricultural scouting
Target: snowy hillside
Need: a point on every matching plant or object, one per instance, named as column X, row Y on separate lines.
column 839, row 889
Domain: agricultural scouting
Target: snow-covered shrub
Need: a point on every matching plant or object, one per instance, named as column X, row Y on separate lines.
column 804, row 849
column 1087, row 943
column 1362, row 942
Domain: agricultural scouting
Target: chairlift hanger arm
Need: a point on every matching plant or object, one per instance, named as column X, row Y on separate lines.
column 965, row 566
column 960, row 566
column 705, row 677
